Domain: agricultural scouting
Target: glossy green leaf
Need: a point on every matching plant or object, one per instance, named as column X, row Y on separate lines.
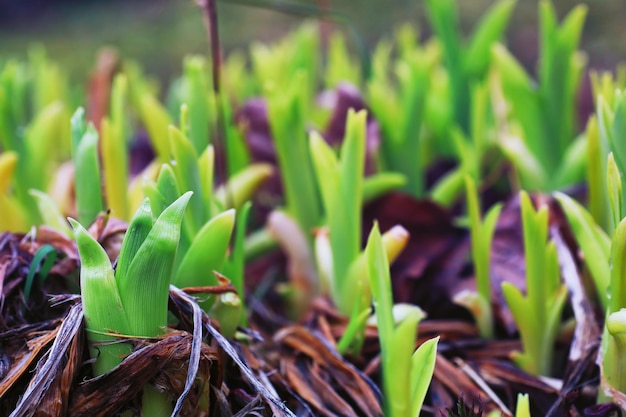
column 422, row 367
column 86, row 168
column 138, row 229
column 144, row 289
column 207, row 252
column 594, row 243
column 489, row 31
column 50, row 213
column 102, row 305
column 188, row 178
column 196, row 95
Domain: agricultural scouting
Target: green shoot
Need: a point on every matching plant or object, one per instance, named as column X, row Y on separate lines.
column 614, row 337
column 12, row 217
column 196, row 95
column 341, row 184
column 400, row 111
column 523, row 406
column 115, row 153
column 131, row 301
column 469, row 64
column 594, row 243
column 481, row 232
column 40, row 265
column 87, row 169
column 540, row 137
column 406, row 374
column 538, row 314
column 340, row 67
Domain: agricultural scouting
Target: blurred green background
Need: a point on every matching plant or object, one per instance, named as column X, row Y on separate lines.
column 159, row 33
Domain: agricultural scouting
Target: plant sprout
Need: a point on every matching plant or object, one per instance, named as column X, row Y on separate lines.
column 130, row 301
column 538, row 314
column 406, row 373
column 538, row 134
column 481, row 233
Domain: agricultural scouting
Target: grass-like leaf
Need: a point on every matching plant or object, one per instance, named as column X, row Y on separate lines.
column 102, row 304
column 538, row 314
column 86, row 168
column 207, row 252
column 404, row 386
column 144, row 290
column 115, row 152
column 593, row 241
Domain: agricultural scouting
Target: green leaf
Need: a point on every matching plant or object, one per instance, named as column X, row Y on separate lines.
column 573, row 164
column 443, row 18
column 422, row 367
column 144, row 290
column 235, row 264
column 489, row 31
column 380, row 282
column 347, row 234
column 102, row 305
column 207, row 252
column 596, row 171
column 241, row 186
column 196, row 95
column 523, row 406
column 286, row 108
column 530, row 169
column 86, row 168
column 156, row 121
column 594, row 243
column 115, row 152
column 138, row 229
column 188, row 178
column 327, row 169
column 381, row 183
column 42, row 261
column 618, row 137
column 617, row 286
column 396, row 373
column 614, row 183
column 50, row 213
column 206, row 165
column 47, row 140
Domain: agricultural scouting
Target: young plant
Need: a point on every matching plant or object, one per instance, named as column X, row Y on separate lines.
column 130, row 301
column 114, row 151
column 298, row 55
column 537, row 314
column 340, row 67
column 12, row 217
column 523, row 406
column 614, row 337
column 400, row 110
column 538, row 134
column 466, row 64
column 406, row 373
column 606, row 134
column 481, row 232
column 207, row 230
column 469, row 148
column 33, row 127
column 86, row 169
column 341, row 184
column 286, row 109
column 605, row 259
column 594, row 243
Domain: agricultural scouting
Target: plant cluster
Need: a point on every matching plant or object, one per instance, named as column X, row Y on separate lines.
column 195, row 225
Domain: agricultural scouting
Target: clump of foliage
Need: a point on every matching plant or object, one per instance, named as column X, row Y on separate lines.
column 424, row 100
